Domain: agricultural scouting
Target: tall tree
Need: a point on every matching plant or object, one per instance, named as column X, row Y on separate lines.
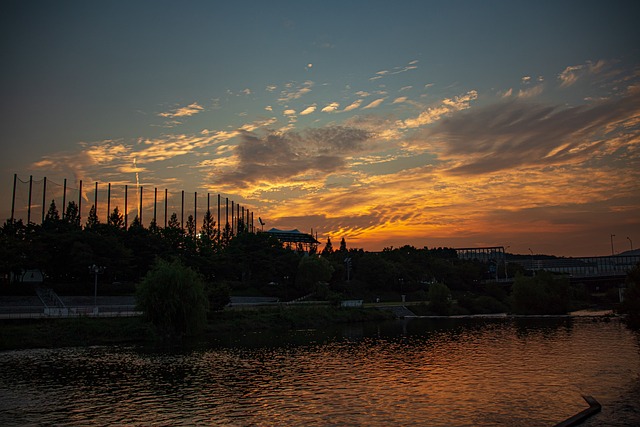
column 173, row 222
column 52, row 215
column 191, row 227
column 208, row 225
column 116, row 219
column 328, row 248
column 92, row 220
column 72, row 214
column 136, row 222
column 173, row 232
column 343, row 245
column 173, row 297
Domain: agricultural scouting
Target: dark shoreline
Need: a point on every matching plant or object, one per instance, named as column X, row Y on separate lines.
column 87, row 331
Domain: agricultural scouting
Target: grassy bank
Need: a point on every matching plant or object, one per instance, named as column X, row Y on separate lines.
column 83, row 331
column 291, row 318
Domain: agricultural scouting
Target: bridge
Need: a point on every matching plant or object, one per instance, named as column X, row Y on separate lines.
column 600, row 268
column 584, row 267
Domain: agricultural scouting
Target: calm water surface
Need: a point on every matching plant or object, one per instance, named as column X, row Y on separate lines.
column 417, row 372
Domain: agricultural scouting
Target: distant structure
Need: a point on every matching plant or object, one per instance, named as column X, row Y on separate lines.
column 598, row 269
column 494, row 256
column 584, row 267
column 31, row 200
column 295, row 238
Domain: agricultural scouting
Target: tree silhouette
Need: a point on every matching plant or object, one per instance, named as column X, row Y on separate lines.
column 72, row 214
column 208, row 226
column 52, row 215
column 328, row 248
column 92, row 220
column 136, row 222
column 173, row 297
column 116, row 219
column 191, row 227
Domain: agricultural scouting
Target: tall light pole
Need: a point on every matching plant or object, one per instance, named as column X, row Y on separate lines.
column 612, row 251
column 506, row 272
column 630, row 242
column 532, row 267
column 95, row 270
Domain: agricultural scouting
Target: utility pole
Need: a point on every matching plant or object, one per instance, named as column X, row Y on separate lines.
column 612, row 251
column 95, row 270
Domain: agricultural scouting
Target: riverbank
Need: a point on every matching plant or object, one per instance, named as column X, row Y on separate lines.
column 86, row 331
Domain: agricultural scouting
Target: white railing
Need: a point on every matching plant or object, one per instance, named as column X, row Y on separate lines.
column 67, row 312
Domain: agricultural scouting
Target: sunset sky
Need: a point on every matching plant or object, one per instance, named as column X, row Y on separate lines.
column 429, row 123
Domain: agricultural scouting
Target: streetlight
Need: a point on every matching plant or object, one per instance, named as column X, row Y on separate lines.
column 95, row 270
column 630, row 242
column 506, row 272
column 612, row 252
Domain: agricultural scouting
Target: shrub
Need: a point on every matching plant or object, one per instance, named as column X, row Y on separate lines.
column 218, row 295
column 541, row 294
column 485, row 304
column 439, row 299
column 173, row 297
column 631, row 303
column 312, row 270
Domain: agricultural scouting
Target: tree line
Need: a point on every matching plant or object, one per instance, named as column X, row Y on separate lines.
column 245, row 263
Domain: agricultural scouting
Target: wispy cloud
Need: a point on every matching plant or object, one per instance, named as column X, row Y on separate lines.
column 354, row 105
column 531, row 92
column 514, row 134
column 396, row 70
column 308, row 110
column 446, row 106
column 507, row 93
column 279, row 157
column 292, row 92
column 570, row 75
column 331, row 107
column 374, row 104
column 187, row 111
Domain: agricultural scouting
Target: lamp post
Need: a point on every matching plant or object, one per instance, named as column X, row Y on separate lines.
column 506, row 272
column 612, row 251
column 630, row 243
column 95, row 270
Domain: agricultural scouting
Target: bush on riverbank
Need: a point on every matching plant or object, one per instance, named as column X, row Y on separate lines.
column 173, row 298
column 631, row 304
column 541, row 294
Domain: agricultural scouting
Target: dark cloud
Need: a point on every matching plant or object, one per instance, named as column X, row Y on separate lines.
column 516, row 133
column 279, row 156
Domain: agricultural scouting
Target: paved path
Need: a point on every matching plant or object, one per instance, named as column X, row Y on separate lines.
column 31, row 307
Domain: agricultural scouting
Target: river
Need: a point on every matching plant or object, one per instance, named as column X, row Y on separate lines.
column 453, row 372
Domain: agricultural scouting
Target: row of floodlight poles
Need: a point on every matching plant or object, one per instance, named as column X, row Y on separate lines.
column 628, row 238
column 234, row 206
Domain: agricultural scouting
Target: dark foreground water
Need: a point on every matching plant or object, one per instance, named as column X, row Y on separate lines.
column 418, row 372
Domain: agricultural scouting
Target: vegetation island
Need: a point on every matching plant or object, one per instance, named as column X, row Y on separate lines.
column 184, row 279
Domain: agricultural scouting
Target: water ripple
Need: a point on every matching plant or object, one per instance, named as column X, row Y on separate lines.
column 422, row 372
